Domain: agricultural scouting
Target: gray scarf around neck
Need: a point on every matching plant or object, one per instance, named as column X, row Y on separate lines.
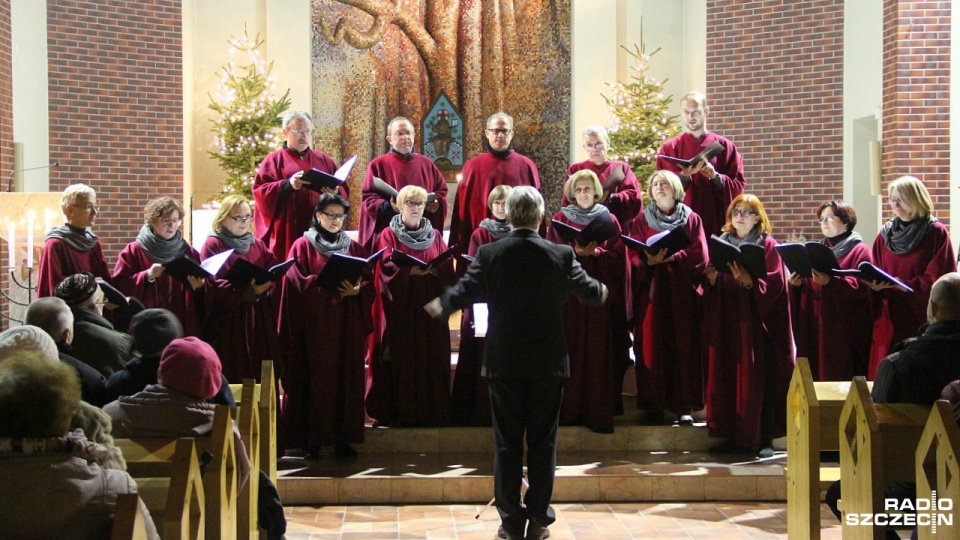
column 159, row 250
column 80, row 241
column 659, row 221
column 844, row 246
column 240, row 244
column 902, row 237
column 582, row 217
column 499, row 229
column 753, row 238
column 326, row 247
column 419, row 239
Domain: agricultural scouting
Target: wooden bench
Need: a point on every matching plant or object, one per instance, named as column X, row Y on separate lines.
column 266, row 390
column 128, row 523
column 146, row 457
column 878, row 443
column 813, row 414
column 248, row 422
column 938, row 468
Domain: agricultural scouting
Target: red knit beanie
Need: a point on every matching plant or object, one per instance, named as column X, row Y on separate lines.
column 190, row 366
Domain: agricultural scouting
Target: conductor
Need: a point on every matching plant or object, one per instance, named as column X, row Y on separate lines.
column 525, row 281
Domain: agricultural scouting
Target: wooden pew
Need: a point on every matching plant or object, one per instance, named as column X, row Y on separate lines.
column 146, row 456
column 248, row 421
column 169, row 482
column 938, row 468
column 813, row 414
column 128, row 523
column 268, row 421
column 878, row 443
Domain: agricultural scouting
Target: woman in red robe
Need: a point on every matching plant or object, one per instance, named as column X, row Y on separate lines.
column 748, row 339
column 241, row 319
column 832, row 315
column 410, row 361
column 621, row 188
column 915, row 248
column 326, row 332
column 592, row 392
column 139, row 271
column 72, row 248
column 471, row 402
column 666, row 305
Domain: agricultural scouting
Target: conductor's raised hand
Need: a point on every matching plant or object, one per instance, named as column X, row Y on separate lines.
column 297, row 181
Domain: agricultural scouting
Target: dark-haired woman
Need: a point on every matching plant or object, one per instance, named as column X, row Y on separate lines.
column 325, row 331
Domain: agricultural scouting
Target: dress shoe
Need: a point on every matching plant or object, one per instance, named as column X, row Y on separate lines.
column 765, row 452
column 502, row 534
column 535, row 531
column 686, row 420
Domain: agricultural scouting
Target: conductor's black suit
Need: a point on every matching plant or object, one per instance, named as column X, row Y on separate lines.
column 525, row 281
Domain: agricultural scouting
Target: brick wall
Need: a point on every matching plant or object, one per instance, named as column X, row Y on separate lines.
column 775, row 87
column 6, row 129
column 116, row 106
column 916, row 96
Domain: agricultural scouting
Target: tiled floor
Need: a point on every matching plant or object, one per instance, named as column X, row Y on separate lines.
column 709, row 521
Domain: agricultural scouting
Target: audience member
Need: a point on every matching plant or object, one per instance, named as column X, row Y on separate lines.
column 95, row 341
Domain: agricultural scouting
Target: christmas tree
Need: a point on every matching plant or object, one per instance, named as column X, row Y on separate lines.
column 246, row 129
column 640, row 112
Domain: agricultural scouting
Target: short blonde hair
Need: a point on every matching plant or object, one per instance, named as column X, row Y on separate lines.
column 762, row 226
column 696, row 97
column 672, row 178
column 70, row 195
column 228, row 206
column 914, row 193
column 409, row 192
column 585, row 174
column 37, row 397
column 497, row 193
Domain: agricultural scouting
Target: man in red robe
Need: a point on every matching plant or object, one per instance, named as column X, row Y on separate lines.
column 711, row 185
column 283, row 209
column 500, row 164
column 399, row 167
column 71, row 248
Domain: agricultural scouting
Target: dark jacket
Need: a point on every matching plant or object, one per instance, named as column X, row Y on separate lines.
column 97, row 343
column 140, row 373
column 921, row 370
column 525, row 281
column 92, row 383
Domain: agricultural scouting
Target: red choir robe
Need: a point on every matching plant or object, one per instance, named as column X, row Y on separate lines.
column 739, row 326
column 281, row 214
column 702, row 196
column 832, row 323
column 398, row 171
column 594, row 339
column 625, row 200
column 899, row 314
column 480, row 175
column 410, row 361
column 58, row 260
column 241, row 328
column 471, row 400
column 325, row 336
column 666, row 325
column 130, row 277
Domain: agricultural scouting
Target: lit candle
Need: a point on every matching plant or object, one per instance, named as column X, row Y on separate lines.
column 31, row 216
column 12, row 245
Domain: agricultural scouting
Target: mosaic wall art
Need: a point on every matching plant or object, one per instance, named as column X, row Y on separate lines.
column 376, row 59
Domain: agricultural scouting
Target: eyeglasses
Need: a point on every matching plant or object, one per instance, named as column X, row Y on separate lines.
column 500, row 131
column 597, row 146
column 414, row 204
column 87, row 207
column 171, row 222
column 896, row 201
column 241, row 219
column 101, row 302
column 299, row 132
column 827, row 219
column 583, row 189
column 334, row 217
column 663, row 183
column 743, row 213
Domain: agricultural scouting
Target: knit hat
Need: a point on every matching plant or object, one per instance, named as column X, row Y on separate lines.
column 27, row 338
column 190, row 366
column 76, row 289
column 152, row 330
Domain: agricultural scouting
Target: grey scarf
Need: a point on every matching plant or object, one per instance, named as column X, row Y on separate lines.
column 498, row 229
column 419, row 239
column 341, row 244
column 78, row 239
column 240, row 244
column 752, row 238
column 582, row 217
column 902, row 237
column 659, row 221
column 844, row 246
column 159, row 250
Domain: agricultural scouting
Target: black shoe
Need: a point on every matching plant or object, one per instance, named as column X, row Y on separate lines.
column 765, row 452
column 686, row 420
column 727, row 447
column 502, row 534
column 344, row 450
column 535, row 531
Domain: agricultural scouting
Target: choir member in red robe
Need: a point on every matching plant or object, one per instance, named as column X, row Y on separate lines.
column 915, row 248
column 140, row 268
column 326, row 333
column 284, row 209
column 410, row 361
column 499, row 165
column 833, row 315
column 399, row 167
column 710, row 185
column 241, row 319
column 591, row 394
column 72, row 248
column 748, row 338
column 471, row 400
column 620, row 186
column 666, row 305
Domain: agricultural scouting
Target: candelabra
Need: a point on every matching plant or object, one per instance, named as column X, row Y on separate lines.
column 24, row 283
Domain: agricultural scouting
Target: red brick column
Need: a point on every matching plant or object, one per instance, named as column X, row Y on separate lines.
column 6, row 131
